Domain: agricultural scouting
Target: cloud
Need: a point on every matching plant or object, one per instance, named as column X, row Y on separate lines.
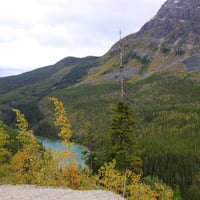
column 6, row 71
column 37, row 33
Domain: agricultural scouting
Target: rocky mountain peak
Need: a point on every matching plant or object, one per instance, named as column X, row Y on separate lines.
column 176, row 20
column 169, row 38
column 179, row 10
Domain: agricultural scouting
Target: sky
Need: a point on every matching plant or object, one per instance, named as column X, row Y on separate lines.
column 37, row 33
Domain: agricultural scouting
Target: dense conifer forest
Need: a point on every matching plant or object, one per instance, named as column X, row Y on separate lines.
column 166, row 126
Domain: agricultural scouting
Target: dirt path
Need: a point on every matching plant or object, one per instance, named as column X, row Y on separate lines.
column 29, row 192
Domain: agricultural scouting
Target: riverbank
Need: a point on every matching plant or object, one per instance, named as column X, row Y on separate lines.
column 31, row 192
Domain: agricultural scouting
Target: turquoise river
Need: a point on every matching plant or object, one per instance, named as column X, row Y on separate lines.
column 56, row 145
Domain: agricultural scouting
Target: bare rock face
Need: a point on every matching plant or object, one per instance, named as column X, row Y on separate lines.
column 180, row 10
column 176, row 20
column 175, row 31
column 177, row 23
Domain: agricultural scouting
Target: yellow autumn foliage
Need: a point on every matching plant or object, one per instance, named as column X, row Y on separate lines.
column 115, row 180
column 32, row 166
column 70, row 172
column 3, row 141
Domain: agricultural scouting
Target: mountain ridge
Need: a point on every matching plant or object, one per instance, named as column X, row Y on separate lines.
column 173, row 34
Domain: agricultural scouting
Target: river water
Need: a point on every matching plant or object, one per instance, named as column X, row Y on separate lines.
column 56, row 145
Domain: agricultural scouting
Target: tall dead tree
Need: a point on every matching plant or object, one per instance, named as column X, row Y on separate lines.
column 123, row 90
column 121, row 67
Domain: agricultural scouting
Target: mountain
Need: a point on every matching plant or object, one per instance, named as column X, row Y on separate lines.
column 162, row 66
column 177, row 20
column 170, row 39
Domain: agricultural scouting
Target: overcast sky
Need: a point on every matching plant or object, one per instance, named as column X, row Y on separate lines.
column 37, row 33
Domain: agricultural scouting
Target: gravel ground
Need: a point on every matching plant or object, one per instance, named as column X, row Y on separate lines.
column 30, row 192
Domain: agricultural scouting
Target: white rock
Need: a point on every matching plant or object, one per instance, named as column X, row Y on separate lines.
column 30, row 192
column 176, row 1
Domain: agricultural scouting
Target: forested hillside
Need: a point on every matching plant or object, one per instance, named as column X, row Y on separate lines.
column 166, row 107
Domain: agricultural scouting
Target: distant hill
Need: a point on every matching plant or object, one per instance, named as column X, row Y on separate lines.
column 56, row 73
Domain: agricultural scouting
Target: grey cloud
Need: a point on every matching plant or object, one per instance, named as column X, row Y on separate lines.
column 14, row 24
column 51, row 40
column 104, row 17
column 6, row 71
column 54, row 42
column 7, row 39
column 79, row 24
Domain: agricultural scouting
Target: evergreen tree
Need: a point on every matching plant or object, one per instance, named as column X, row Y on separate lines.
column 90, row 154
column 123, row 142
column 177, row 193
